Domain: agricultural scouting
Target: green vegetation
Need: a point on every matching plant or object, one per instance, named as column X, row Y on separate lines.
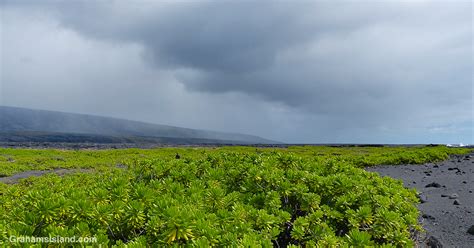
column 229, row 196
column 13, row 161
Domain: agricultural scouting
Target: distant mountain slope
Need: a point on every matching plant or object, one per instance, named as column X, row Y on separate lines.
column 16, row 122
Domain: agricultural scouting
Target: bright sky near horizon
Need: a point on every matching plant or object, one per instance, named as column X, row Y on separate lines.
column 292, row 71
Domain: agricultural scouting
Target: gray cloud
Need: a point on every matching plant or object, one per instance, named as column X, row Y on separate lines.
column 380, row 70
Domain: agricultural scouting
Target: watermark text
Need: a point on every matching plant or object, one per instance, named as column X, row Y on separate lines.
column 53, row 239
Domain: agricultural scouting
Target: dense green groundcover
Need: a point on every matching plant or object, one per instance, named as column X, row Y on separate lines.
column 231, row 196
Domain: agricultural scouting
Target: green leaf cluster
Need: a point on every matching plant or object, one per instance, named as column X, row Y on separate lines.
column 219, row 197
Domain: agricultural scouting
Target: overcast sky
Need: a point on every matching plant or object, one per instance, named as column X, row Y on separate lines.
column 305, row 72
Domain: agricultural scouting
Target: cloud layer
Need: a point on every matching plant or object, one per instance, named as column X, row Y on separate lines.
column 394, row 72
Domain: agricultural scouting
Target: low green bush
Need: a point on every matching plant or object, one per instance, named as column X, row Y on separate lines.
column 224, row 199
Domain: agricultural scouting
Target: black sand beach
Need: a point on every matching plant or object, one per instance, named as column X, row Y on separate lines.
column 447, row 199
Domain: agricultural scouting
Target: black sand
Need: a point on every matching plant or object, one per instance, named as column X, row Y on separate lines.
column 16, row 178
column 449, row 181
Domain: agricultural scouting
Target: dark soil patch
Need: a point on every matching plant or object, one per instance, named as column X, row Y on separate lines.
column 35, row 173
column 448, row 210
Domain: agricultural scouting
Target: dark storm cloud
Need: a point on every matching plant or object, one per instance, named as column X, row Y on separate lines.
column 301, row 54
column 362, row 64
column 228, row 37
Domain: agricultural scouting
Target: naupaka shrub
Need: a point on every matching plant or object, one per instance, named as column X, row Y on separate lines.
column 218, row 199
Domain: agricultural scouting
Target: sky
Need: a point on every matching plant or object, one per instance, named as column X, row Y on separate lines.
column 291, row 71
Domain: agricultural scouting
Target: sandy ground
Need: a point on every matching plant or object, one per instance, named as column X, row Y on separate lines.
column 446, row 192
column 16, row 178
